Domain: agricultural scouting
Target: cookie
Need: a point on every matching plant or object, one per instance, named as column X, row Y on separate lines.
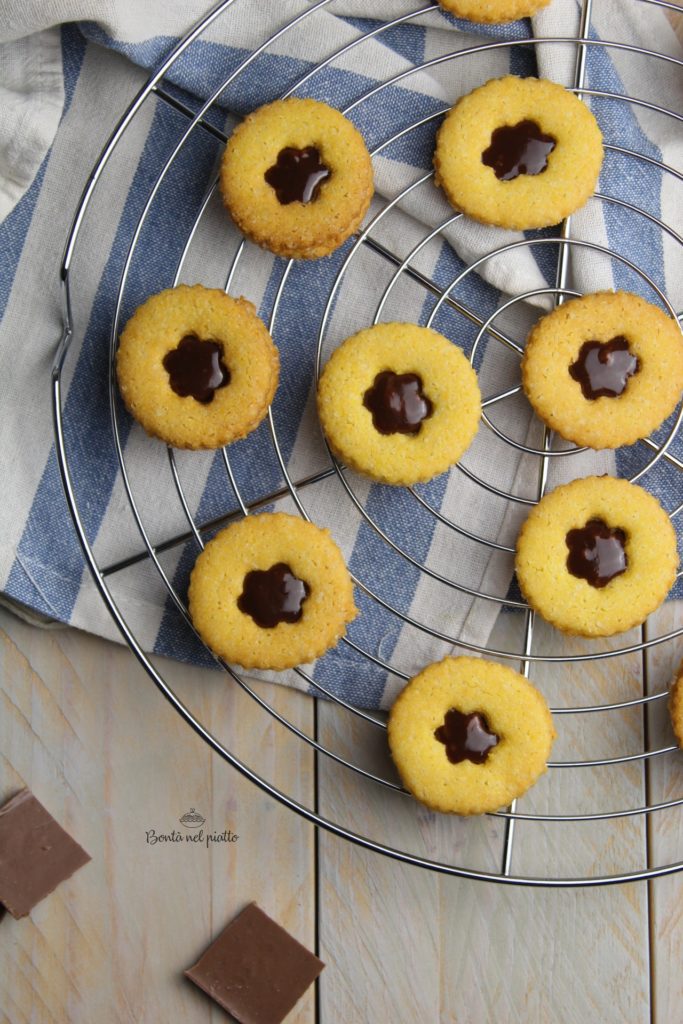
column 296, row 177
column 399, row 403
column 197, row 368
column 469, row 736
column 518, row 153
column 676, row 705
column 493, row 11
column 605, row 369
column 271, row 591
column 596, row 556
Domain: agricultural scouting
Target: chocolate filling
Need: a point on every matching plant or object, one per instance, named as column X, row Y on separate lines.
column 195, row 368
column 397, row 403
column 273, row 595
column 597, row 553
column 603, row 369
column 466, row 737
column 518, row 149
column 297, row 175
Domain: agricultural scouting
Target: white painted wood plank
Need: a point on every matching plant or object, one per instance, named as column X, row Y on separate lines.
column 578, row 955
column 379, row 920
column 587, row 848
column 665, row 776
column 677, row 21
column 430, row 948
column 666, row 827
column 368, row 906
column 81, row 724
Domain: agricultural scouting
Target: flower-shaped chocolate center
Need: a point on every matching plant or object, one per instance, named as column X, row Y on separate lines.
column 518, row 149
column 195, row 368
column 273, row 595
column 297, row 175
column 397, row 403
column 603, row 368
column 597, row 553
column 466, row 737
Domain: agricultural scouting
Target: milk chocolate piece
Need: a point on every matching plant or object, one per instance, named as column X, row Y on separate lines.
column 255, row 970
column 36, row 854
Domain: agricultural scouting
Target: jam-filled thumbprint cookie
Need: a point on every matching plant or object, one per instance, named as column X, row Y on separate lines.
column 518, row 153
column 493, row 12
column 596, row 556
column 296, row 177
column 197, row 368
column 469, row 736
column 605, row 369
column 271, row 591
column 399, row 403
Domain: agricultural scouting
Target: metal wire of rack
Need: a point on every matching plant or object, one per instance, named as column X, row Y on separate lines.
column 297, row 489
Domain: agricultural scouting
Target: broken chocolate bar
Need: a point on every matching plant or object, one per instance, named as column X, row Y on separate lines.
column 255, row 969
column 36, row 854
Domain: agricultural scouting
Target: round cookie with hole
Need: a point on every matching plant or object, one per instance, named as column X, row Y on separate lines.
column 518, row 153
column 605, row 369
column 596, row 556
column 296, row 177
column 493, row 12
column 197, row 368
column 469, row 736
column 271, row 591
column 399, row 403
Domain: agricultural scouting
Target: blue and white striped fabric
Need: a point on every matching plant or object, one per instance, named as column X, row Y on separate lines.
column 104, row 64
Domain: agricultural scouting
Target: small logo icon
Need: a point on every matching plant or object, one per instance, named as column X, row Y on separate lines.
column 191, row 819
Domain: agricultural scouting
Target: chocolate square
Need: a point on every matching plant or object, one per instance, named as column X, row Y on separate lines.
column 255, row 969
column 36, row 854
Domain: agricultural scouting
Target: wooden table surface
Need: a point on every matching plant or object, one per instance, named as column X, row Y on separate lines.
column 84, row 727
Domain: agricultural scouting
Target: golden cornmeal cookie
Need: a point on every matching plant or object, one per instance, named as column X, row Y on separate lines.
column 271, row 591
column 296, row 178
column 399, row 403
column 197, row 368
column 596, row 556
column 469, row 736
column 518, row 153
column 493, row 11
column 605, row 369
column 676, row 705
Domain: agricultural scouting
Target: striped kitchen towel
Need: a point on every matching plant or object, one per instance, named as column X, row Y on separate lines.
column 420, row 555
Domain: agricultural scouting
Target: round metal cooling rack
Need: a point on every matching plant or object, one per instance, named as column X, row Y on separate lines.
column 157, row 90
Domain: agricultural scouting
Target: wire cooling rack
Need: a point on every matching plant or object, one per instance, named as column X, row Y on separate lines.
column 200, row 121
